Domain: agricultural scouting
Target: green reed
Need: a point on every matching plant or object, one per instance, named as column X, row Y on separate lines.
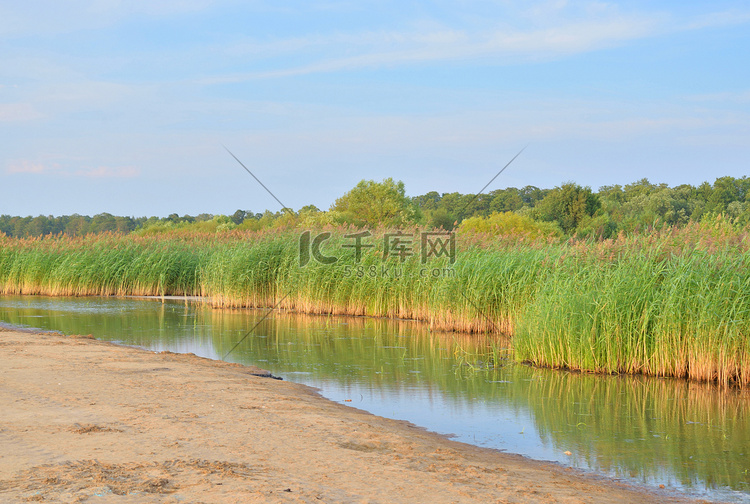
column 483, row 291
column 105, row 265
column 685, row 315
column 671, row 303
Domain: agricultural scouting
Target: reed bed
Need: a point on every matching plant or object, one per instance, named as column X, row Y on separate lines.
column 674, row 302
column 100, row 266
column 664, row 307
column 481, row 292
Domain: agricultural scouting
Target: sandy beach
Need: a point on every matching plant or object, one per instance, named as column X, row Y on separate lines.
column 89, row 421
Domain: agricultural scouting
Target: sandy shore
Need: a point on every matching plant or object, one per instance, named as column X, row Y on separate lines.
column 88, row 421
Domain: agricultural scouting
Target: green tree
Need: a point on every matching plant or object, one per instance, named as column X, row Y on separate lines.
column 506, row 200
column 613, row 193
column 39, row 226
column 453, row 205
column 568, row 205
column 372, row 203
column 725, row 191
column 429, row 201
column 78, row 225
column 439, row 219
column 124, row 224
column 532, row 195
column 238, row 217
column 641, row 188
column 102, row 223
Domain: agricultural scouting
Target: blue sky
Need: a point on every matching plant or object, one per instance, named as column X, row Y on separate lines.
column 123, row 107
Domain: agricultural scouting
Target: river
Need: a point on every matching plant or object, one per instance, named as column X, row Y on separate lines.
column 694, row 438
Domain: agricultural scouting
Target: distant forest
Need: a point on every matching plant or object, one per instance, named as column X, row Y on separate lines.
column 570, row 208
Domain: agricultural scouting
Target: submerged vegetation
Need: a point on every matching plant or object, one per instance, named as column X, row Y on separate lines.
column 673, row 302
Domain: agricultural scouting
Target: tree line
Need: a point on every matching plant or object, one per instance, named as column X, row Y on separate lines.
column 571, row 208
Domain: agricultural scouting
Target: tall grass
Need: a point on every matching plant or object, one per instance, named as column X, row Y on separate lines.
column 103, row 266
column 662, row 307
column 670, row 303
column 482, row 292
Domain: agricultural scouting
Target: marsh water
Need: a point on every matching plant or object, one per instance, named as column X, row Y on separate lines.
column 691, row 437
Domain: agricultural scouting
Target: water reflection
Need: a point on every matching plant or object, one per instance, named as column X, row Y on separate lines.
column 653, row 431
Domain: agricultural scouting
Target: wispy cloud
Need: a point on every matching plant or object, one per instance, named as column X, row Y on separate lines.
column 393, row 49
column 113, row 92
column 109, row 172
column 26, row 166
column 549, row 30
column 727, row 97
column 719, row 19
column 54, row 17
column 18, row 112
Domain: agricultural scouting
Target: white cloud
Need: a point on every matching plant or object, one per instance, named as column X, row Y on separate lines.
column 25, row 166
column 546, row 30
column 109, row 172
column 18, row 112
column 344, row 135
column 727, row 97
column 83, row 94
column 45, row 17
column 718, row 20
column 391, row 49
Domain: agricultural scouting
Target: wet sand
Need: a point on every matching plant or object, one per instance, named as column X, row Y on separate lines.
column 88, row 421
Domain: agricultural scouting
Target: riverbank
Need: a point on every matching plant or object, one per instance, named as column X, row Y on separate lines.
column 672, row 302
column 85, row 421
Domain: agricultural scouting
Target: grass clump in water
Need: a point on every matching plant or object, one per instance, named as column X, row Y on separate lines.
column 646, row 306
